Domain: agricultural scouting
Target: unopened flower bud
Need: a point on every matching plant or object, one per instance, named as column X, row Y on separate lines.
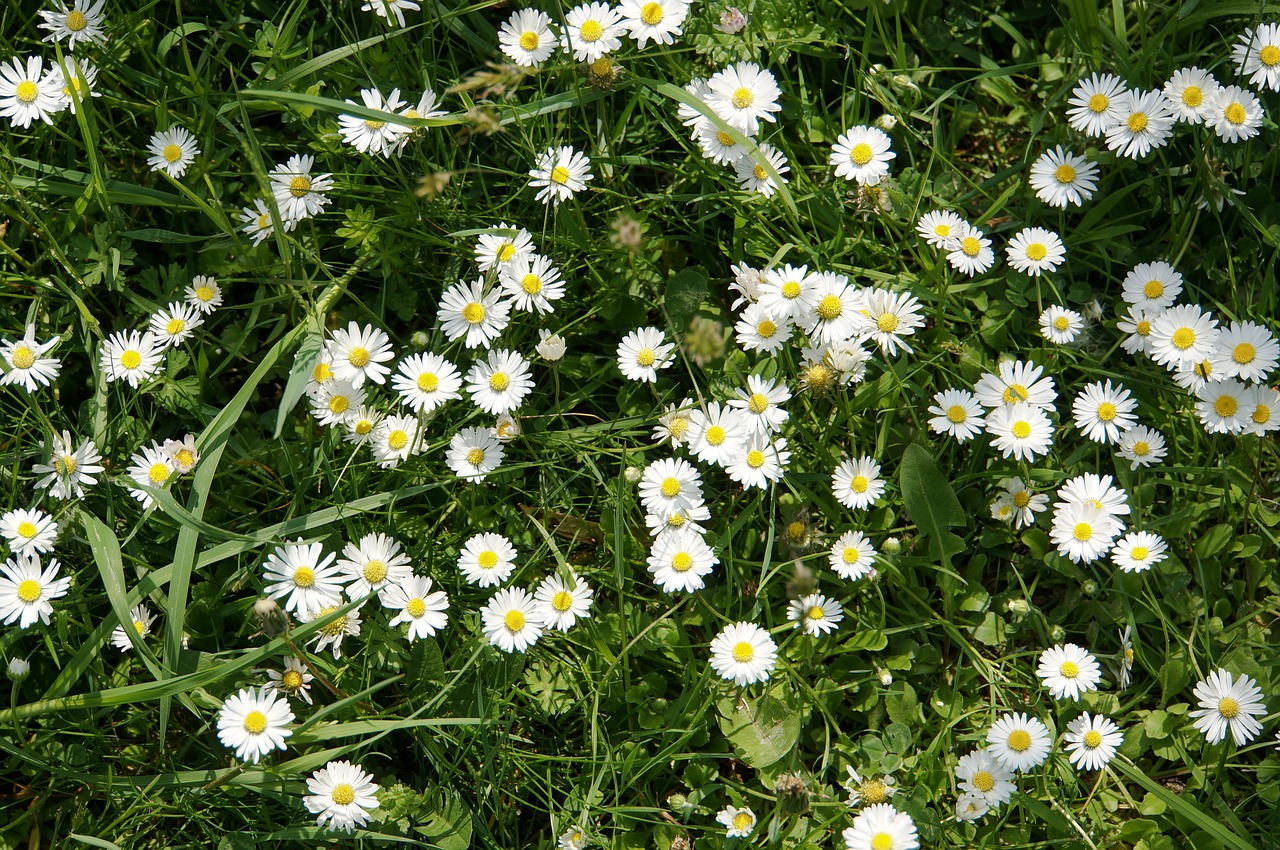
column 891, row 546
column 632, row 474
column 732, row 20
column 886, row 122
column 19, row 669
column 550, row 346
column 793, row 794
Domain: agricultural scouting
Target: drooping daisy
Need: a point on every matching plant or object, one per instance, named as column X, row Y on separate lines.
column 1228, row 705
column 956, row 412
column 526, row 37
column 969, row 251
column 503, row 246
column 668, row 485
column 149, row 467
column 82, row 21
column 862, row 154
column 1102, row 413
column 28, row 530
column 1126, row 657
column 304, row 576
column 1020, row 431
column 1221, row 406
column 1061, row 178
column 27, row 94
column 754, row 176
column 253, row 722
column 1092, row 741
column 642, row 353
column 887, row 317
column 561, row 601
column 1082, row 532
column 857, row 484
column 532, row 283
column 23, row 364
column 881, row 827
column 129, row 356
column 474, row 453
column 1141, row 446
column 1060, row 325
column 938, row 227
column 815, row 614
column 391, row 10
column 592, row 30
column 499, row 383
column 259, row 223
column 293, row 681
column 738, row 822
column 1190, row 92
column 744, row 94
column 468, row 313
column 1034, row 251
column 1138, row 551
column 1152, row 286
column 1143, row 120
column 852, row 556
column 679, row 559
column 743, row 653
column 1245, row 350
column 1018, row 742
column 1256, row 54
column 560, row 173
column 654, row 20
column 426, row 381
column 1093, row 103
column 27, row 589
column 376, row 136
column 172, row 151
column 373, row 565
column 299, row 193
column 1261, row 410
column 419, row 606
column 982, row 774
column 511, row 620
column 759, row 461
column 395, row 439
column 70, row 469
column 487, row 560
column 1068, row 671
column 140, row 620
column 341, row 795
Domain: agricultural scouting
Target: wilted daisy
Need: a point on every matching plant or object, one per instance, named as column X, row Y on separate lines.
column 419, row 606
column 341, row 795
column 299, row 193
column 526, row 37
column 293, row 681
column 130, row 356
column 172, row 151
column 881, row 827
column 857, row 484
column 654, row 20
column 395, row 439
column 390, row 9
column 27, row 94
column 259, row 223
column 870, row 790
column 474, row 453
column 426, row 381
column 373, row 565
column 1034, row 250
column 862, row 154
column 502, row 247
column 982, row 774
column 499, row 383
column 592, row 30
column 26, row 589
column 172, row 325
column 956, row 412
column 1256, row 54
column 70, row 468
column 1221, row 406
column 642, row 353
column 1061, row 178
column 1018, row 742
column 852, row 556
column 561, row 601
column 1060, row 325
column 149, row 467
column 1092, row 741
column 938, row 227
column 1093, row 103
column 376, row 136
column 1138, row 551
column 304, row 576
column 559, row 173
column 140, row 620
column 1227, row 705
column 679, row 559
column 743, row 653
column 971, row 807
column 532, row 283
column 1245, row 350
column 752, row 174
column 1189, row 93
column 1020, row 431
column 466, row 312
column 81, row 21
column 23, row 364
column 333, row 400
column 511, row 620
column 815, row 614
column 970, row 251
column 28, row 530
column 744, row 94
column 1068, row 671
column 331, row 634
column 1102, row 412
column 886, row 317
column 253, row 722
column 1142, row 121
column 738, row 822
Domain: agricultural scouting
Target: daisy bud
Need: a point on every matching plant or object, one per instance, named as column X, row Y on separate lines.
column 885, row 677
column 886, row 122
column 1057, row 634
column 420, row 339
column 550, row 346
column 268, row 612
column 678, row 803
column 891, row 546
column 632, row 474
column 19, row 669
column 1089, row 588
column 1019, row 608
column 793, row 794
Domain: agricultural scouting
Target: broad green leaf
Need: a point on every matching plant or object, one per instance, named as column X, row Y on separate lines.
column 763, row 731
column 686, row 290
column 931, row 503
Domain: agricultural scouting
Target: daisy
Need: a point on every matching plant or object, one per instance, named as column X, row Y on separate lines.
column 738, row 823
column 1024, row 503
column 1137, row 324
column 861, row 154
column 332, row 401
column 1221, row 406
column 373, row 565
column 1246, row 351
column 1092, row 741
column 1235, row 114
column 572, row 838
column 1034, row 250
column 654, row 20
column 669, row 485
column 26, row 94
column 761, row 331
column 1020, row 431
column 304, row 576
column 759, row 461
column 887, row 317
column 560, row 173
column 938, row 227
column 761, row 403
column 341, row 795
column 140, row 619
column 499, row 384
column 1093, row 103
column 181, row 454
column 172, row 325
column 857, row 484
column 1138, row 551
column 76, row 78
column 502, row 246
column 26, row 590
column 642, row 353
column 374, row 135
column 815, row 614
column 958, row 413
column 1227, row 705
column 532, row 283
column 396, row 439
column 1101, row 412
column 881, row 827
column 1143, row 121
column 1060, row 325
column 1126, row 657
column 981, row 774
column 28, row 530
column 1189, row 93
column 679, row 559
column 82, row 21
column 690, row 518
column 331, row 634
column 1018, row 742
column 130, row 356
column 293, row 681
column 1152, row 286
column 870, row 791
column 358, row 353
column 1068, row 671
column 1016, row 382
column 253, row 721
column 466, row 311
column 511, row 620
column 474, row 453
column 259, row 222
column 562, row 601
column 971, row 807
column 743, row 653
column 390, row 9
column 788, row 292
column 835, row 312
column 1096, row 491
column 360, row 425
column 752, row 174
column 299, row 194
column 969, row 251
column 23, row 364
column 1082, row 532
column 526, row 37
column 592, row 30
column 717, row 145
column 699, row 90
column 172, row 151
column 716, row 435
column 852, row 556
column 419, row 606
column 1061, row 178
column 550, row 347
column 1261, row 410
column 487, row 560
column 149, row 467
column 1256, row 54
column 69, row 469
column 743, row 95
column 426, row 381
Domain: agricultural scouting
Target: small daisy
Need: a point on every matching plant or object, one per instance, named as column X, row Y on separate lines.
column 373, row 565
column 572, row 838
column 253, row 722
column 852, row 556
column 971, row 807
column 130, row 356
column 642, row 353
column 27, row 94
column 759, row 461
column 487, row 560
column 511, row 620
column 332, row 401
column 1092, row 741
column 1093, row 103
column 761, row 331
column 815, row 614
column 419, row 606
column 331, row 634
column 390, row 9
column 743, row 653
column 592, row 30
column 1020, row 431
column 299, row 193
column 1126, row 657
column 1235, row 114
column 1152, row 286
column 654, row 20
column 969, row 251
column 938, row 227
column 669, row 485
column 744, row 94
column 1025, row 504
column 1018, row 742
column 304, row 576
column 172, row 325
column 1060, row 325
column 474, row 453
column 532, row 283
column 499, row 383
column 506, row 428
column 82, row 21
column 717, row 145
column 754, row 176
column 28, row 530
column 526, row 37
column 181, row 454
column 881, row 827
column 26, row 590
column 396, row 439
column 1183, row 335
column 76, row 78
column 1061, row 178
column 886, row 317
column 258, row 221
column 559, row 174
column 1137, row 324
column 1261, row 410
column 690, row 518
column 1034, row 250
column 562, row 601
column 1069, row 671
column 149, row 467
column 1101, row 412
column 857, row 484
column 835, row 312
column 1096, row 491
column 1246, row 351
column 1082, row 532
column 140, row 620
column 1227, row 705
column 869, row 791
column 341, row 795
column 738, row 822
column 787, row 293
column 1190, row 94
column 550, row 347
column 761, row 402
column 862, row 154
column 426, row 381
column 679, row 559
column 1256, row 54
column 293, row 681
column 466, row 311
column 958, row 413
column 980, row 773
column 716, row 435
column 69, row 469
column 1139, row 551
column 358, row 353
column 172, row 151
column 374, row 135
column 1221, row 406
column 23, row 364
column 505, row 244
column 360, row 425
column 1143, row 120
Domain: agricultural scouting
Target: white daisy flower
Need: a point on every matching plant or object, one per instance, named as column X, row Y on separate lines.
column 1246, row 351
column 130, row 356
column 391, row 10
column 1093, row 103
column 532, row 283
column 717, row 145
column 1092, row 741
column 331, row 634
column 254, row 722
column 503, row 245
column 1183, row 335
column 759, row 461
column 1139, row 551
column 304, row 576
column 1143, row 120
column 173, row 324
column 857, row 484
column 467, row 313
column 1256, row 54
column 654, row 20
column 27, row 94
column 1141, row 446
column 181, row 454
column 299, row 194
column 550, row 347
column 70, row 469
column 641, row 353
column 815, row 614
column 562, row 601
column 293, row 681
column 958, row 413
column 744, row 94
column 1221, row 406
column 341, row 795
column 426, row 381
column 1020, row 431
column 669, row 485
column 1126, row 657
column 1069, row 671
column 761, row 402
column 358, row 353
column 788, row 292
column 1082, row 532
column 1061, row 178
column 1137, row 324
column 886, row 317
column 862, row 154
column 1034, row 251
column 971, row 807
column 373, row 565
column 149, row 467
column 969, row 251
column 716, row 435
column 374, row 135
column 981, row 774
column 698, row 89
column 881, row 827
column 1261, row 410
column 419, row 606
column 474, row 453
column 1152, row 286
column 1095, row 490
column 1060, row 325
column 834, row 315
column 23, row 364
column 526, row 37
column 679, row 559
column 1018, row 742
column 27, row 589
column 737, row 822
column 395, row 439
column 938, row 227
column 172, row 151
column 487, row 560
column 28, row 530
column 761, row 331
column 259, row 223
column 743, row 653
column 752, row 174
column 512, row 621
column 593, row 30
column 852, row 556
column 869, row 791
column 1235, row 114
column 560, row 173
column 572, row 838
column 82, row 21
column 499, row 383
column 75, row 78
column 1101, row 412
column 140, row 620
column 1228, row 706
column 360, row 425
column 1025, row 504
column 1190, row 93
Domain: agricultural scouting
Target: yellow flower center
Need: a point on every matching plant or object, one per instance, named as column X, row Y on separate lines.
column 675, row 521
column 26, row 92
column 1019, row 740
column 339, row 404
column 790, row 290
column 646, row 357
column 322, row 373
column 300, row 186
column 338, row 627
column 1069, row 670
column 943, row 230
column 1184, row 338
column 970, row 246
column 851, row 555
column 291, row 680
column 562, row 601
column 758, row 403
column 681, row 562
column 364, row 426
column 76, row 20
column 1142, row 328
column 887, row 323
column 755, row 458
column 304, row 577
column 957, row 414
column 882, row 841
column 742, row 98
column 859, row 484
column 766, row 329
column 716, row 435
column 1235, row 113
column 742, row 820
column 724, row 138
column 829, row 308
column 1021, row 430
column 416, row 608
column 1037, row 251
column 759, row 172
column 1141, row 448
column 374, row 571
column 651, row 14
column 529, row 40
column 560, row 175
column 743, row 652
column 1082, row 532
column 1061, row 323
column 498, row 382
column 475, row 456
column 983, row 781
column 1093, row 739
column 344, row 794
column 139, row 626
column 487, row 560
column 531, row 284
column 1269, row 55
column 172, row 153
column 1106, row 411
column 816, row 612
column 671, row 487
column 1139, row 553
column 861, row 153
column 506, row 252
column 1261, row 414
column 1021, row 499
column 374, row 125
column 359, row 357
column 1243, row 353
column 255, row 723
column 158, row 473
column 1228, row 707
column 796, row 532
column 1137, row 122
column 175, row 326
column 1065, row 174
column 428, row 382
column 1192, row 96
column 131, row 359
column 514, row 621
column 263, row 221
column 1225, row 405
column 602, row 67
column 1099, row 103
column 29, row 590
column 590, row 31
column 23, row 357
column 397, row 440
column 65, row 465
